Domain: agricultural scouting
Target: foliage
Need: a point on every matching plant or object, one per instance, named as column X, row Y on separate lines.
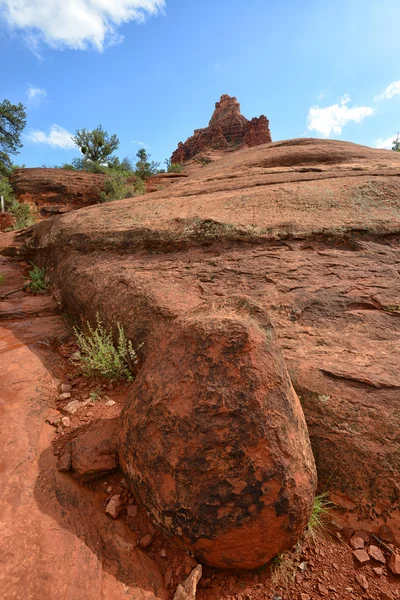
column 19, row 210
column 68, row 167
column 321, row 509
column 145, row 168
column 37, row 280
column 116, row 188
column 12, row 122
column 99, row 355
column 121, row 166
column 2, row 278
column 396, row 143
column 97, row 145
column 90, row 166
column 140, row 187
column 173, row 167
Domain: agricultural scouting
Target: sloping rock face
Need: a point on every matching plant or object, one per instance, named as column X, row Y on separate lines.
column 49, row 188
column 215, row 441
column 228, row 129
column 307, row 229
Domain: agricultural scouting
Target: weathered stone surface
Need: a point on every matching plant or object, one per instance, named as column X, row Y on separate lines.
column 60, row 188
column 310, row 230
column 228, row 129
column 214, row 439
column 94, row 452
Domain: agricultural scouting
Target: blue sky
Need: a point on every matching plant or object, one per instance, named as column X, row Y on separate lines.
column 151, row 70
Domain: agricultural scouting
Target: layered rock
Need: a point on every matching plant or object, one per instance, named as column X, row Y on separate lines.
column 307, row 229
column 214, row 439
column 228, row 129
column 53, row 189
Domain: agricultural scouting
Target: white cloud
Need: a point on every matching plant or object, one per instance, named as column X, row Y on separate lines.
column 76, row 24
column 332, row 119
column 35, row 94
column 385, row 144
column 141, row 144
column 58, row 137
column 393, row 89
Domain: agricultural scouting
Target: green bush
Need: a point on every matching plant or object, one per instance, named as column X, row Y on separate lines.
column 37, row 280
column 19, row 210
column 99, row 356
column 140, row 187
column 116, row 188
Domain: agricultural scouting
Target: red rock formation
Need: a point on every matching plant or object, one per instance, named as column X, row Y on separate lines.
column 7, row 220
column 52, row 187
column 310, row 229
column 214, row 439
column 228, row 128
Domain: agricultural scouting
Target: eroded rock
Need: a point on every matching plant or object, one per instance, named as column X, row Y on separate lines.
column 214, row 439
column 228, row 129
column 94, row 453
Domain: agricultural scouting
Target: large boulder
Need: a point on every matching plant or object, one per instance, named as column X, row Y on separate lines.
column 310, row 229
column 214, row 439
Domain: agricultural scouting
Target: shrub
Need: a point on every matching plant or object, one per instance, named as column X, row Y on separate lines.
column 19, row 210
column 2, row 278
column 116, row 188
column 140, row 187
column 99, row 356
column 37, row 280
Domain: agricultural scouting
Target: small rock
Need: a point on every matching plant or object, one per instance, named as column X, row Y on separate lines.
column 163, row 553
column 73, row 406
column 76, row 356
column 347, row 532
column 152, row 529
column 362, row 534
column 361, row 556
column 114, row 507
column 385, row 596
column 322, row 589
column 168, row 577
column 187, row 570
column 133, row 511
column 110, row 403
column 65, row 388
column 394, row 564
column 59, row 429
column 386, row 534
column 192, row 562
column 362, row 580
column 378, row 571
column 64, row 462
column 109, row 489
column 376, row 554
column 66, row 422
column 357, row 542
column 305, row 597
column 65, row 396
column 146, row 541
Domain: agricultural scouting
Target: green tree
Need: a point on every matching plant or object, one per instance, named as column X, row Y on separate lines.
column 96, row 145
column 145, row 168
column 12, row 122
column 396, row 144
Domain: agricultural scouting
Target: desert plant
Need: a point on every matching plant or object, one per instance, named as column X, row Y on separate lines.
column 322, row 507
column 19, row 210
column 116, row 188
column 98, row 355
column 144, row 168
column 2, row 278
column 396, row 143
column 140, row 187
column 37, row 280
column 172, row 167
